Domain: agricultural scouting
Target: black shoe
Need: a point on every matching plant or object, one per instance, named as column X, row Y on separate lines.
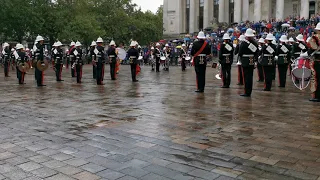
column 240, row 84
column 281, row 86
column 260, row 81
column 60, row 80
column 135, row 80
column 41, row 85
column 199, row 91
column 314, row 100
column 22, row 83
column 113, row 79
column 266, row 90
column 225, row 87
column 245, row 95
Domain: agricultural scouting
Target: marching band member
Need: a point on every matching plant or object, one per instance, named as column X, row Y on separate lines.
column 119, row 60
column 58, row 60
column 112, row 55
column 158, row 54
column 200, row 50
column 22, row 60
column 226, row 60
column 100, row 60
column 259, row 66
column 152, row 58
column 167, row 53
column 6, row 58
column 248, row 54
column 133, row 55
column 78, row 61
column 291, row 42
column 283, row 53
column 267, row 54
column 240, row 75
column 72, row 58
column 299, row 46
column 314, row 45
column 39, row 54
column 67, row 58
column 93, row 57
column 183, row 55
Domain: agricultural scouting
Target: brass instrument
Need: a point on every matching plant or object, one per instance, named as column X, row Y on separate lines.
column 42, row 65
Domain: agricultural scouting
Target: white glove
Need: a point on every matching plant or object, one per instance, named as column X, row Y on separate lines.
column 234, row 45
column 304, row 54
column 276, row 58
column 259, row 57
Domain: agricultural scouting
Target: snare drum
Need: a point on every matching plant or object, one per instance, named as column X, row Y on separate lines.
column 162, row 59
column 301, row 68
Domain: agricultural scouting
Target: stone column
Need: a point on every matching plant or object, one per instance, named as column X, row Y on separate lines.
column 207, row 13
column 304, row 9
column 237, row 10
column 226, row 11
column 192, row 16
column 280, row 9
column 197, row 12
column 245, row 10
column 221, row 10
column 257, row 10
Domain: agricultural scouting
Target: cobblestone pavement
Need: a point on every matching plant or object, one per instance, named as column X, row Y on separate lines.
column 156, row 129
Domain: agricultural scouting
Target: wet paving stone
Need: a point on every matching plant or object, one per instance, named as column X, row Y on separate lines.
column 158, row 128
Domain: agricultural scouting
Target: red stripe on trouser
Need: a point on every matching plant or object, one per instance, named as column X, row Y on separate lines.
column 22, row 77
column 244, row 81
column 265, row 81
column 279, row 76
column 315, row 81
column 239, row 71
column 42, row 77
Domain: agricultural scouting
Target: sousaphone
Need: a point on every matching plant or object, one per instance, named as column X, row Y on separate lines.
column 23, row 67
column 42, row 66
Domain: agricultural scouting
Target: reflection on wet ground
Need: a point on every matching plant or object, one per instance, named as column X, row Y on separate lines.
column 157, row 128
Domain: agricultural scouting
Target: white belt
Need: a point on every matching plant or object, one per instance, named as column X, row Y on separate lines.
column 297, row 53
column 132, row 57
column 225, row 54
column 112, row 56
column 317, row 53
column 247, row 55
column 202, row 55
column 283, row 54
column 268, row 55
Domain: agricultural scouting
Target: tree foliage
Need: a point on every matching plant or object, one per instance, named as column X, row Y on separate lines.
column 83, row 20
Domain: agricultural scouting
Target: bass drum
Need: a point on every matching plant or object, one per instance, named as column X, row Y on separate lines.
column 301, row 68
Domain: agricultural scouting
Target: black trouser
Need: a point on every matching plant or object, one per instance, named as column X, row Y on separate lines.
column 39, row 76
column 94, row 71
column 268, row 75
column 73, row 70
column 17, row 69
column 247, row 72
column 274, row 72
column 6, row 68
column 58, row 71
column 282, row 71
column 226, row 74
column 201, row 76
column 79, row 72
column 316, row 67
column 100, row 73
column 260, row 73
column 20, row 76
column 113, row 70
column 240, row 75
column 183, row 64
column 133, row 71
column 158, row 65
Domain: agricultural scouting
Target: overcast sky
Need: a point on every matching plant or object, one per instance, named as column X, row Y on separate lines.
column 151, row 5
